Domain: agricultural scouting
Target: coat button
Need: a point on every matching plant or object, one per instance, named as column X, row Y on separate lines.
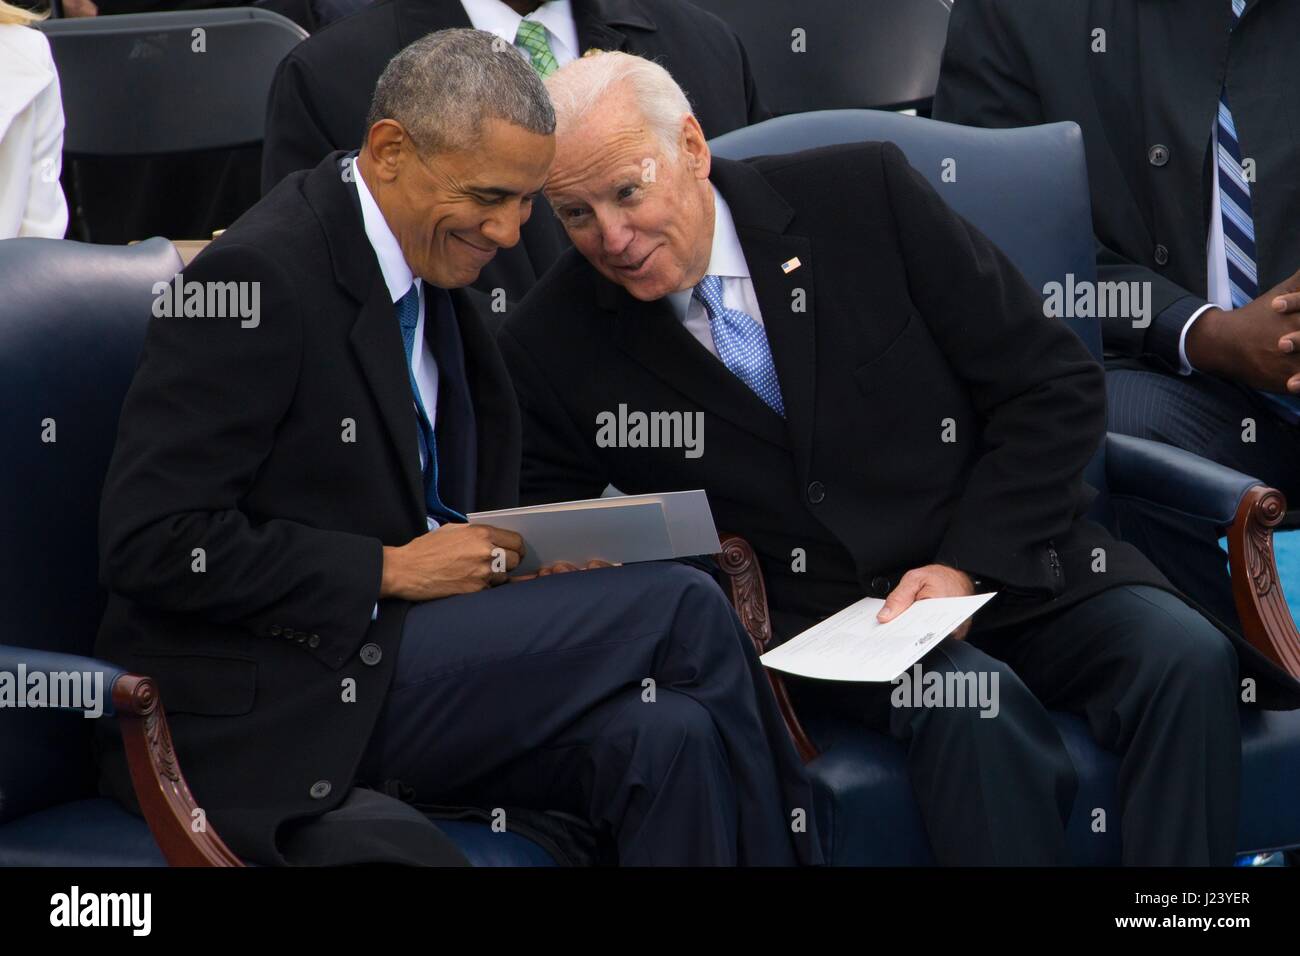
column 816, row 492
column 880, row 586
column 1162, row 255
column 275, row 630
column 313, row 641
column 370, row 654
column 1158, row 154
column 321, row 789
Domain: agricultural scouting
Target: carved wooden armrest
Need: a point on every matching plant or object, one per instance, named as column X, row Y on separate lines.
column 164, row 796
column 1256, row 588
column 749, row 597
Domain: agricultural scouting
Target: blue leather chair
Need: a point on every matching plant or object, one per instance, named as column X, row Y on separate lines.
column 1027, row 190
column 72, row 320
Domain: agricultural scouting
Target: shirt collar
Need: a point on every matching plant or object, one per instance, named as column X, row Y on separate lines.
column 392, row 264
column 726, row 259
column 496, row 17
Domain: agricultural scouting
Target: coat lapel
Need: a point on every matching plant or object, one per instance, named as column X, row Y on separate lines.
column 787, row 298
column 652, row 335
column 377, row 340
column 375, row 336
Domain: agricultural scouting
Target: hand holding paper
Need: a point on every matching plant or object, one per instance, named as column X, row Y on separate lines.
column 853, row 645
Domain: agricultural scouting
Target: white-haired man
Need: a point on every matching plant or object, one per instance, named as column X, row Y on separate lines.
column 836, row 324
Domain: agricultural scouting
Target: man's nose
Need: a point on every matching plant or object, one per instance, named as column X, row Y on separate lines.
column 503, row 226
column 615, row 234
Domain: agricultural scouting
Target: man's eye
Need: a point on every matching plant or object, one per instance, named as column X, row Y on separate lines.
column 572, row 214
column 626, row 192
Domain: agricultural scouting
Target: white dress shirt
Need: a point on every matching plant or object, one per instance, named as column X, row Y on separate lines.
column 1217, row 291
column 494, row 16
column 398, row 277
column 728, row 261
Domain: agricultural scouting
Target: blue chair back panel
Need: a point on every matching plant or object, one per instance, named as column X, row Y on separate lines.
column 882, row 54
column 135, row 84
column 72, row 321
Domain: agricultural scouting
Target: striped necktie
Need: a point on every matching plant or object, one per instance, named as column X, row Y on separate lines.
column 1234, row 200
column 532, row 39
column 1239, row 226
column 741, row 344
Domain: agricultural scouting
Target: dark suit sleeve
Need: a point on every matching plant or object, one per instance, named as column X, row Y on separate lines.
column 296, row 136
column 1039, row 396
column 986, row 80
column 177, row 532
column 557, row 461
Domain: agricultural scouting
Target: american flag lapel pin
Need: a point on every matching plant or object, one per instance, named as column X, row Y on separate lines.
column 790, row 265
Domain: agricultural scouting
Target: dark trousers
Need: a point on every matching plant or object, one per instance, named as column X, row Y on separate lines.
column 1157, row 684
column 630, row 697
column 1202, row 415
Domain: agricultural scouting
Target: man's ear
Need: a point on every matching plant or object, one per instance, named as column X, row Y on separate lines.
column 696, row 148
column 383, row 148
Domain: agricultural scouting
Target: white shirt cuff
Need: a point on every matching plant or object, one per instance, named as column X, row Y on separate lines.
column 1186, row 366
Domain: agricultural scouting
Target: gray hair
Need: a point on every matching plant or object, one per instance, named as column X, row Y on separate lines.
column 443, row 86
column 577, row 88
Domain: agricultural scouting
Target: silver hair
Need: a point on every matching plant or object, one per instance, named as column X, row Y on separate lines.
column 577, row 88
column 443, row 86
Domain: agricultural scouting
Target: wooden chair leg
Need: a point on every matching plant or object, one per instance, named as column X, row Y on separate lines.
column 749, row 597
column 1266, row 620
column 186, row 837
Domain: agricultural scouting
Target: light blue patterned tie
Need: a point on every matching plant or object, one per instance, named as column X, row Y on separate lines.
column 741, row 344
column 1234, row 201
column 408, row 316
column 1239, row 224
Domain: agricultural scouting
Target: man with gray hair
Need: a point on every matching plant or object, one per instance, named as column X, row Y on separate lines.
column 284, row 537
column 886, row 413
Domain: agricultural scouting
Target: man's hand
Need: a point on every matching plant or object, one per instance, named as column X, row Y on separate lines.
column 931, row 581
column 79, row 8
column 452, row 559
column 561, row 567
column 1258, row 344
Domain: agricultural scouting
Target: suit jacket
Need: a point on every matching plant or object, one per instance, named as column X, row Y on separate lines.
column 258, row 473
column 901, row 321
column 1024, row 62
column 322, row 91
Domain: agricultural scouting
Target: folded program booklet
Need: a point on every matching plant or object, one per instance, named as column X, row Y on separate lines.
column 620, row 530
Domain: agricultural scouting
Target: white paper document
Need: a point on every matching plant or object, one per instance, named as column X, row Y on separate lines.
column 853, row 646
column 620, row 530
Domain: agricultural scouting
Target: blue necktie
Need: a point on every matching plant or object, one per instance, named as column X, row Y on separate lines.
column 408, row 314
column 1239, row 224
column 1234, row 201
column 741, row 344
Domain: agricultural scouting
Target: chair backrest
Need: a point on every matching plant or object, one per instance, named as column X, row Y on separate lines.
column 72, row 321
column 1026, row 189
column 144, row 84
column 880, row 54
